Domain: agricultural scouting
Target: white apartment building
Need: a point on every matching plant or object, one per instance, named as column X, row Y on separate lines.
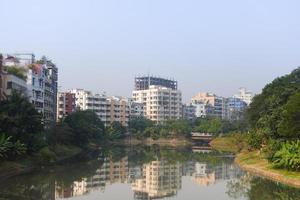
column 109, row 109
column 244, row 95
column 160, row 103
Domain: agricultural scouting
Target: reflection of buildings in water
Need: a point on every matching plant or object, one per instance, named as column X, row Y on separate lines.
column 160, row 179
column 109, row 173
column 78, row 188
column 206, row 175
column 201, row 149
column 188, row 168
column 202, row 175
column 227, row 171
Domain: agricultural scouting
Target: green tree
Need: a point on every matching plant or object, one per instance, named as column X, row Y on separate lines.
column 272, row 111
column 289, row 126
column 86, row 126
column 139, row 124
column 20, row 121
column 116, row 131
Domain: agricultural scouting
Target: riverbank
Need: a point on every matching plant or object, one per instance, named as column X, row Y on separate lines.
column 175, row 142
column 253, row 162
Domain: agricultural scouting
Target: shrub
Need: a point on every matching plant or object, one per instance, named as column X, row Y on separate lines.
column 256, row 139
column 45, row 155
column 288, row 156
column 10, row 150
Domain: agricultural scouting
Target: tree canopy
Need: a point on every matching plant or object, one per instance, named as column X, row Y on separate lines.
column 276, row 109
column 20, row 120
column 86, row 126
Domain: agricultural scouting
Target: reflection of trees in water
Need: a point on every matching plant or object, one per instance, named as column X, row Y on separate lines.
column 255, row 188
column 41, row 185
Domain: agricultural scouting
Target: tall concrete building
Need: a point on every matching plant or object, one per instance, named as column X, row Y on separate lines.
column 109, row 109
column 161, row 99
column 245, row 95
column 144, row 82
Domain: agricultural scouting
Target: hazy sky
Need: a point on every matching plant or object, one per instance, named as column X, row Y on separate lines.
column 211, row 45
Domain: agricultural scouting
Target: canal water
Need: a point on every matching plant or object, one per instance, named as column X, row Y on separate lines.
column 142, row 173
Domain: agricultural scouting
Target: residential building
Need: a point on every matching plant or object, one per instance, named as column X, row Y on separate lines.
column 109, row 109
column 41, row 82
column 203, row 110
column 13, row 83
column 210, row 105
column 189, row 112
column 160, row 103
column 136, row 109
column 144, row 82
column 118, row 110
column 65, row 104
column 235, row 108
column 245, row 95
column 51, row 89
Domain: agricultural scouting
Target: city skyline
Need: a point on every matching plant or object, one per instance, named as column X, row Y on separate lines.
column 203, row 45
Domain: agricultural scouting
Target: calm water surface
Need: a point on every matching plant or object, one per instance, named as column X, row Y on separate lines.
column 139, row 172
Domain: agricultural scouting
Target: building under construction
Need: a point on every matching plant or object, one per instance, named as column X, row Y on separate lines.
column 143, row 82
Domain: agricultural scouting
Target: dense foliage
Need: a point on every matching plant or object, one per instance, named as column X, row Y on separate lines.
column 85, row 127
column 218, row 126
column 143, row 128
column 21, row 122
column 288, row 156
column 274, row 118
column 275, row 112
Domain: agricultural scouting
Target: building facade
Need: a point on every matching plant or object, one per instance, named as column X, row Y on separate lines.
column 65, row 104
column 244, row 95
column 40, row 80
column 136, row 109
column 189, row 112
column 235, row 108
column 144, row 82
column 109, row 109
column 160, row 103
column 209, row 105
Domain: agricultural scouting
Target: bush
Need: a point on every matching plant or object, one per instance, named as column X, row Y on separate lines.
column 288, row 156
column 10, row 150
column 256, row 139
column 45, row 155
column 272, row 147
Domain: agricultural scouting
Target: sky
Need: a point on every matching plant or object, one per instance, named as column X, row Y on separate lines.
column 101, row 45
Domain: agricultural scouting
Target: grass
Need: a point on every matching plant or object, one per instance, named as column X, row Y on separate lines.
column 227, row 144
column 256, row 164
